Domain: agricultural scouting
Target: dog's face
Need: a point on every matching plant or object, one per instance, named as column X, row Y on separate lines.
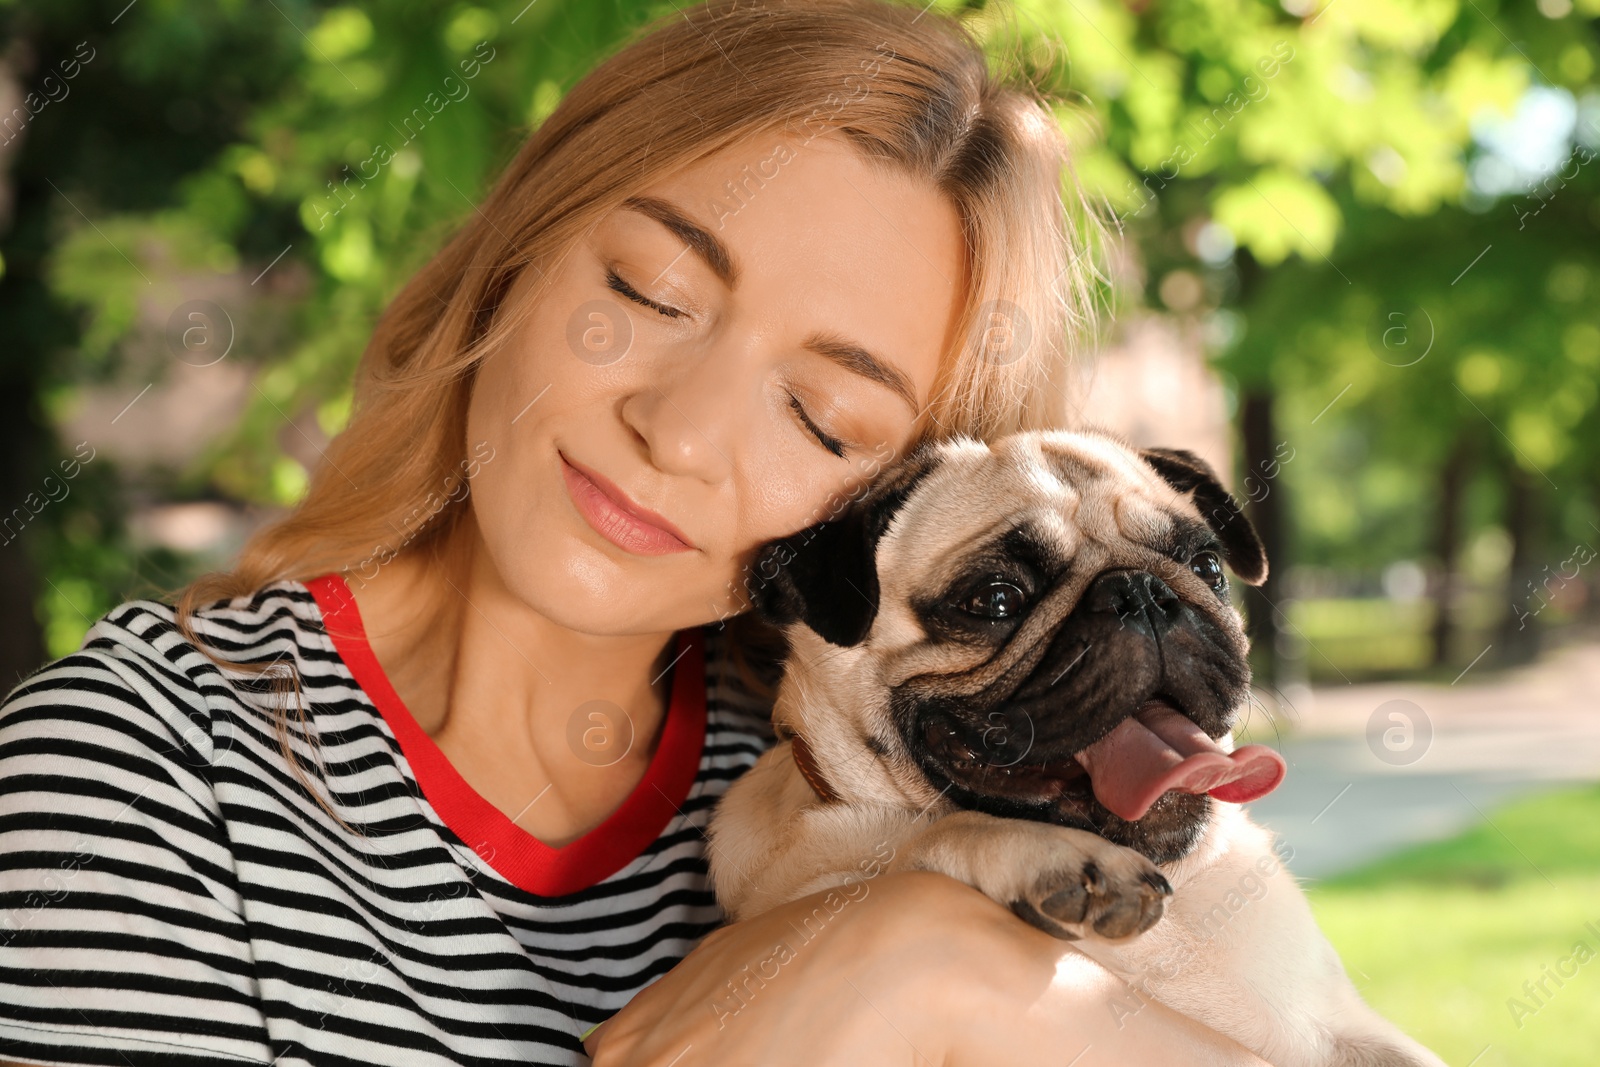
column 1014, row 627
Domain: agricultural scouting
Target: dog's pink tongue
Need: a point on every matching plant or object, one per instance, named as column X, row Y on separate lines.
column 1159, row 748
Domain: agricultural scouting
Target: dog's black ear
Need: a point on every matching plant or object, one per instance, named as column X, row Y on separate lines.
column 826, row 575
column 1241, row 545
column 823, row 576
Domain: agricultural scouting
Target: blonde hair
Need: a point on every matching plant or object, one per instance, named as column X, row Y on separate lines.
column 909, row 88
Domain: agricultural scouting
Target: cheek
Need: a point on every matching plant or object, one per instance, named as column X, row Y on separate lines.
column 503, row 500
column 527, row 387
column 506, row 381
column 538, row 361
column 512, row 399
column 792, row 484
column 784, row 489
column 1222, row 624
column 777, row 496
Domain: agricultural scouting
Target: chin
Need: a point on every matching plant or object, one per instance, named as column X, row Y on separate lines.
column 1170, row 830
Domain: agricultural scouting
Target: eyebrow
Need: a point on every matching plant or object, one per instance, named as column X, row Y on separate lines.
column 701, row 241
column 846, row 354
column 857, row 360
column 1188, row 536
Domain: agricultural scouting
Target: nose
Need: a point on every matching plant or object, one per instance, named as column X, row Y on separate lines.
column 684, row 421
column 1138, row 598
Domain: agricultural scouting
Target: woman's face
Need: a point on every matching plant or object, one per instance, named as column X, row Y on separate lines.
column 742, row 345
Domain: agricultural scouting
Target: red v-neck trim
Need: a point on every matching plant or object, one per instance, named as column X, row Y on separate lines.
column 523, row 859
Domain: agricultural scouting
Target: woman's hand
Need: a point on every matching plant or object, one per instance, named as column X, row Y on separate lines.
column 905, row 968
column 1051, row 1006
column 761, row 992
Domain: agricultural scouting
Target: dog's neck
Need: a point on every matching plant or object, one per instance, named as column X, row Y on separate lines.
column 805, row 762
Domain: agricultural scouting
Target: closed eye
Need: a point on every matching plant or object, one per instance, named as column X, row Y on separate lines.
column 615, row 282
column 832, row 444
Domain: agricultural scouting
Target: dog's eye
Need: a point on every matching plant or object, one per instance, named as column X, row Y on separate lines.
column 1209, row 567
column 995, row 600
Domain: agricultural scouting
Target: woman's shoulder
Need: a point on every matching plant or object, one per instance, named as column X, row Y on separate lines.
column 117, row 843
column 136, row 670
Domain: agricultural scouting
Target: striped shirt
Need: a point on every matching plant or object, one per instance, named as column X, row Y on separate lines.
column 171, row 893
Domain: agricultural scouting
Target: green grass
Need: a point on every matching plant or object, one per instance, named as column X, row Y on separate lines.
column 1440, row 938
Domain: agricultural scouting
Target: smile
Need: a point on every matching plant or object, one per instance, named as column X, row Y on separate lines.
column 610, row 513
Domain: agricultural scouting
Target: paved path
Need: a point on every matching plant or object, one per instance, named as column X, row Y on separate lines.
column 1375, row 768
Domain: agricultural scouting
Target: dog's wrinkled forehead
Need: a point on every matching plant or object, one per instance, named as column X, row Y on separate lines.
column 1053, row 502
column 1066, row 489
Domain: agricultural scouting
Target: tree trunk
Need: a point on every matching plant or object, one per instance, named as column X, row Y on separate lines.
column 1591, row 542
column 1263, row 489
column 1447, row 546
column 23, row 438
column 21, row 643
column 1518, row 638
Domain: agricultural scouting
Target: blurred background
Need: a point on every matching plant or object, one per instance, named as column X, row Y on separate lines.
column 1361, row 273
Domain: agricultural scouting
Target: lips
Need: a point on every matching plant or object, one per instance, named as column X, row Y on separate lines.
column 1031, row 782
column 614, row 516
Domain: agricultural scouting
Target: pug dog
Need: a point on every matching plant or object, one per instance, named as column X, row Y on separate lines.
column 1017, row 663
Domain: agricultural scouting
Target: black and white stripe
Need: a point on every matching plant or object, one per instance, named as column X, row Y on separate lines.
column 171, row 893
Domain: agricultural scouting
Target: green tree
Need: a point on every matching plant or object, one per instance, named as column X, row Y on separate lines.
column 1291, row 174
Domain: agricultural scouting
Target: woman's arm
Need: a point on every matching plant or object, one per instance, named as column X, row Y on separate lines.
column 1051, row 1005
column 914, row 968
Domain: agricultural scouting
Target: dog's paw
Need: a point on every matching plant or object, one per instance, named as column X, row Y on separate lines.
column 1109, row 893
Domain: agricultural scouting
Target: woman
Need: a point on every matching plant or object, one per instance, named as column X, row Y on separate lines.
column 423, row 779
